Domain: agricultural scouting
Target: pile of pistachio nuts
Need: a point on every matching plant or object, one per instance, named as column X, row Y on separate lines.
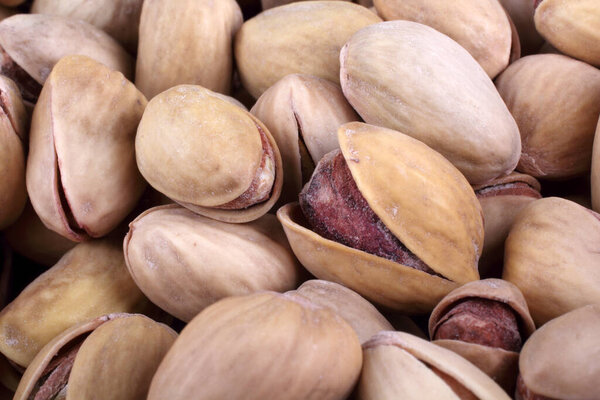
column 324, row 200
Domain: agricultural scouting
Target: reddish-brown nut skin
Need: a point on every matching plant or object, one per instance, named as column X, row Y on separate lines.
column 336, row 210
column 523, row 393
column 536, row 3
column 512, row 188
column 30, row 89
column 481, row 321
column 56, row 374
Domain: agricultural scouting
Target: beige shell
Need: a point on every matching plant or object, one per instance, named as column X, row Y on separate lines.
column 571, row 26
column 595, row 173
column 88, row 281
column 392, row 75
column 439, row 220
column 262, row 346
column 551, row 256
column 118, row 357
column 36, row 42
column 184, row 262
column 480, row 26
column 397, row 365
column 186, row 42
column 521, row 13
column 560, row 360
column 556, row 117
column 303, row 113
column 118, row 18
column 302, row 37
column 202, row 152
column 81, row 174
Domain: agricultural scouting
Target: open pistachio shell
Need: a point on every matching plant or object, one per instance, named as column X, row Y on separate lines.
column 117, row 358
column 550, row 255
column 430, row 208
column 392, row 75
column 81, row 174
column 561, row 360
column 261, row 346
column 186, row 42
column 88, row 281
column 184, row 262
column 204, row 152
column 302, row 37
column 303, row 113
column 399, row 365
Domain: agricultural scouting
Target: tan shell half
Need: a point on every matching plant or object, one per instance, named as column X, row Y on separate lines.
column 430, row 208
column 303, row 37
column 550, row 255
column 303, row 113
column 556, row 117
column 397, row 365
column 36, row 42
column 392, row 75
column 499, row 364
column 595, row 173
column 89, row 281
column 184, row 262
column 81, row 173
column 480, row 26
column 262, row 346
column 202, row 152
column 186, row 42
column 561, row 359
column 118, row 357
column 573, row 27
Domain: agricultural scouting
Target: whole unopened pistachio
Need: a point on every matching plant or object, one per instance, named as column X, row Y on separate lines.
column 110, row 357
column 261, row 346
column 302, row 37
column 557, row 117
column 392, row 75
column 208, row 155
column 303, row 113
column 403, row 245
column 81, row 174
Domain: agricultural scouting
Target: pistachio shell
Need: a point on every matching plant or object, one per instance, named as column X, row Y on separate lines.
column 392, row 75
column 186, row 42
column 595, row 173
column 184, row 262
column 262, row 346
column 303, row 37
column 550, row 256
column 521, row 13
column 36, row 42
column 81, row 173
column 88, row 281
column 202, row 152
column 571, row 26
column 561, row 360
column 303, row 113
column 556, row 117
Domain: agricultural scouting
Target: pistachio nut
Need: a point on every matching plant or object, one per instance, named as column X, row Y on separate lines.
column 481, row 27
column 81, row 174
column 397, row 365
column 262, row 346
column 521, row 13
column 501, row 200
column 119, row 18
column 184, row 262
column 405, row 249
column 560, row 360
column 485, row 322
column 208, row 155
column 90, row 280
column 557, row 117
column 31, row 44
column 392, row 75
column 595, row 173
column 302, row 37
column 550, row 255
column 13, row 133
column 186, row 42
column 110, row 357
column 303, row 114
column 571, row 26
